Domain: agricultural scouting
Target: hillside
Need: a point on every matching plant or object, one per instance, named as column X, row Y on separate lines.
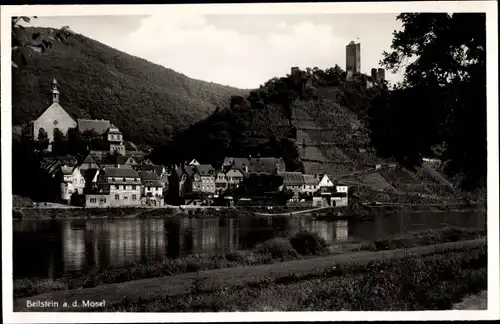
column 146, row 101
column 316, row 120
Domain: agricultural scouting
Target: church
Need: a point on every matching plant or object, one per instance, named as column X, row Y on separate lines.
column 55, row 117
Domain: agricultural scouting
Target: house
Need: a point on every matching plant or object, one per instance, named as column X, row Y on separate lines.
column 234, row 177
column 221, row 183
column 54, row 117
column 331, row 196
column 300, row 183
column 151, row 184
column 106, row 130
column 204, row 178
column 72, row 182
column 151, row 189
column 115, row 140
column 122, row 185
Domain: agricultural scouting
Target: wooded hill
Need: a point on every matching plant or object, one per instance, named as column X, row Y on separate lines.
column 146, row 101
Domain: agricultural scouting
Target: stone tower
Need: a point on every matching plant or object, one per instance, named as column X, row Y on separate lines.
column 353, row 57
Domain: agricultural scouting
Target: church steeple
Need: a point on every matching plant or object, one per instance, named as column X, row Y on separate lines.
column 55, row 92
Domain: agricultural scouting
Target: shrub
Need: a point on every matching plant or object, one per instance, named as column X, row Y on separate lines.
column 307, row 243
column 277, row 248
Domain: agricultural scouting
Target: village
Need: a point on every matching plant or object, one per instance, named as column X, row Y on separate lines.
column 115, row 177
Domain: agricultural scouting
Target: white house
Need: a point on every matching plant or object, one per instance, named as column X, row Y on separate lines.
column 72, row 181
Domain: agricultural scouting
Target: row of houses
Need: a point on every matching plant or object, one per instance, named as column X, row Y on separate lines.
column 195, row 183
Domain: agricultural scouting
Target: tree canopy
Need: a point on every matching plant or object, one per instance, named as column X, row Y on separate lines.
column 442, row 99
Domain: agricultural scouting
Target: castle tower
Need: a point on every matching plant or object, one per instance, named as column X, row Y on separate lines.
column 55, row 92
column 381, row 74
column 353, row 57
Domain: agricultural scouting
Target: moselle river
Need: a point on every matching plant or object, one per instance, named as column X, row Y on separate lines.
column 55, row 248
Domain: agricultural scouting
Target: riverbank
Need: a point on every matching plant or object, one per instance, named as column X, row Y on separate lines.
column 361, row 212
column 303, row 245
column 426, row 277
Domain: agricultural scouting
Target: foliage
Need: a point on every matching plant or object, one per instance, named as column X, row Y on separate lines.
column 34, row 42
column 307, row 243
column 278, row 247
column 146, row 101
column 442, row 100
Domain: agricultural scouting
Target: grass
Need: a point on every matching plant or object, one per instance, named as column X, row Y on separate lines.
column 302, row 245
column 169, row 290
column 432, row 282
column 429, row 237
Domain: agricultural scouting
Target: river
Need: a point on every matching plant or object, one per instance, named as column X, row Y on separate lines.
column 55, row 248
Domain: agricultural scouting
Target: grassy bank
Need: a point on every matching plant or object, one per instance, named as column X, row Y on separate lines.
column 433, row 282
column 361, row 280
column 300, row 246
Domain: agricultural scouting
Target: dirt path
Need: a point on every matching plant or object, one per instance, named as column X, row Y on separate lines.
column 149, row 289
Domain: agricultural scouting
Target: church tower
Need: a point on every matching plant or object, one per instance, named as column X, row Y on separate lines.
column 55, row 92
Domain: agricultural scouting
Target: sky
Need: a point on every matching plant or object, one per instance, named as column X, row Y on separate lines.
column 241, row 50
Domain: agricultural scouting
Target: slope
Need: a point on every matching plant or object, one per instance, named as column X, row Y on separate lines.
column 321, row 117
column 146, row 101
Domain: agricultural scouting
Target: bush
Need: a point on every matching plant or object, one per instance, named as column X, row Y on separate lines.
column 307, row 243
column 279, row 248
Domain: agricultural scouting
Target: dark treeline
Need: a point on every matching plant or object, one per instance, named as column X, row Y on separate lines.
column 439, row 110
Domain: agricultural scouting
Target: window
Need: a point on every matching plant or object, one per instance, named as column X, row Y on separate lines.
column 149, row 188
column 124, row 180
column 134, row 197
column 125, row 197
column 135, row 179
column 113, row 179
column 102, row 200
column 134, row 187
column 93, row 200
column 117, row 197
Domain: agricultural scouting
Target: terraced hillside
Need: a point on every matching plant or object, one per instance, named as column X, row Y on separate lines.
column 333, row 140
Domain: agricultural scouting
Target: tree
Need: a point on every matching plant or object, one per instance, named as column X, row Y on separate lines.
column 34, row 42
column 60, row 143
column 444, row 57
column 43, row 140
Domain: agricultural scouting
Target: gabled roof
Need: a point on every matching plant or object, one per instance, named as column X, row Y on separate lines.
column 121, row 172
column 204, row 169
column 100, row 126
column 310, row 179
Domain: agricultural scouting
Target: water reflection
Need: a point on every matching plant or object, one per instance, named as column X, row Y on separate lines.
column 50, row 249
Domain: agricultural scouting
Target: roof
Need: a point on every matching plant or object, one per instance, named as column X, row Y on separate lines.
column 310, row 179
column 266, row 164
column 293, row 179
column 150, row 179
column 100, row 126
column 204, row 169
column 184, row 169
column 144, row 167
column 256, row 165
column 147, row 175
column 121, row 173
